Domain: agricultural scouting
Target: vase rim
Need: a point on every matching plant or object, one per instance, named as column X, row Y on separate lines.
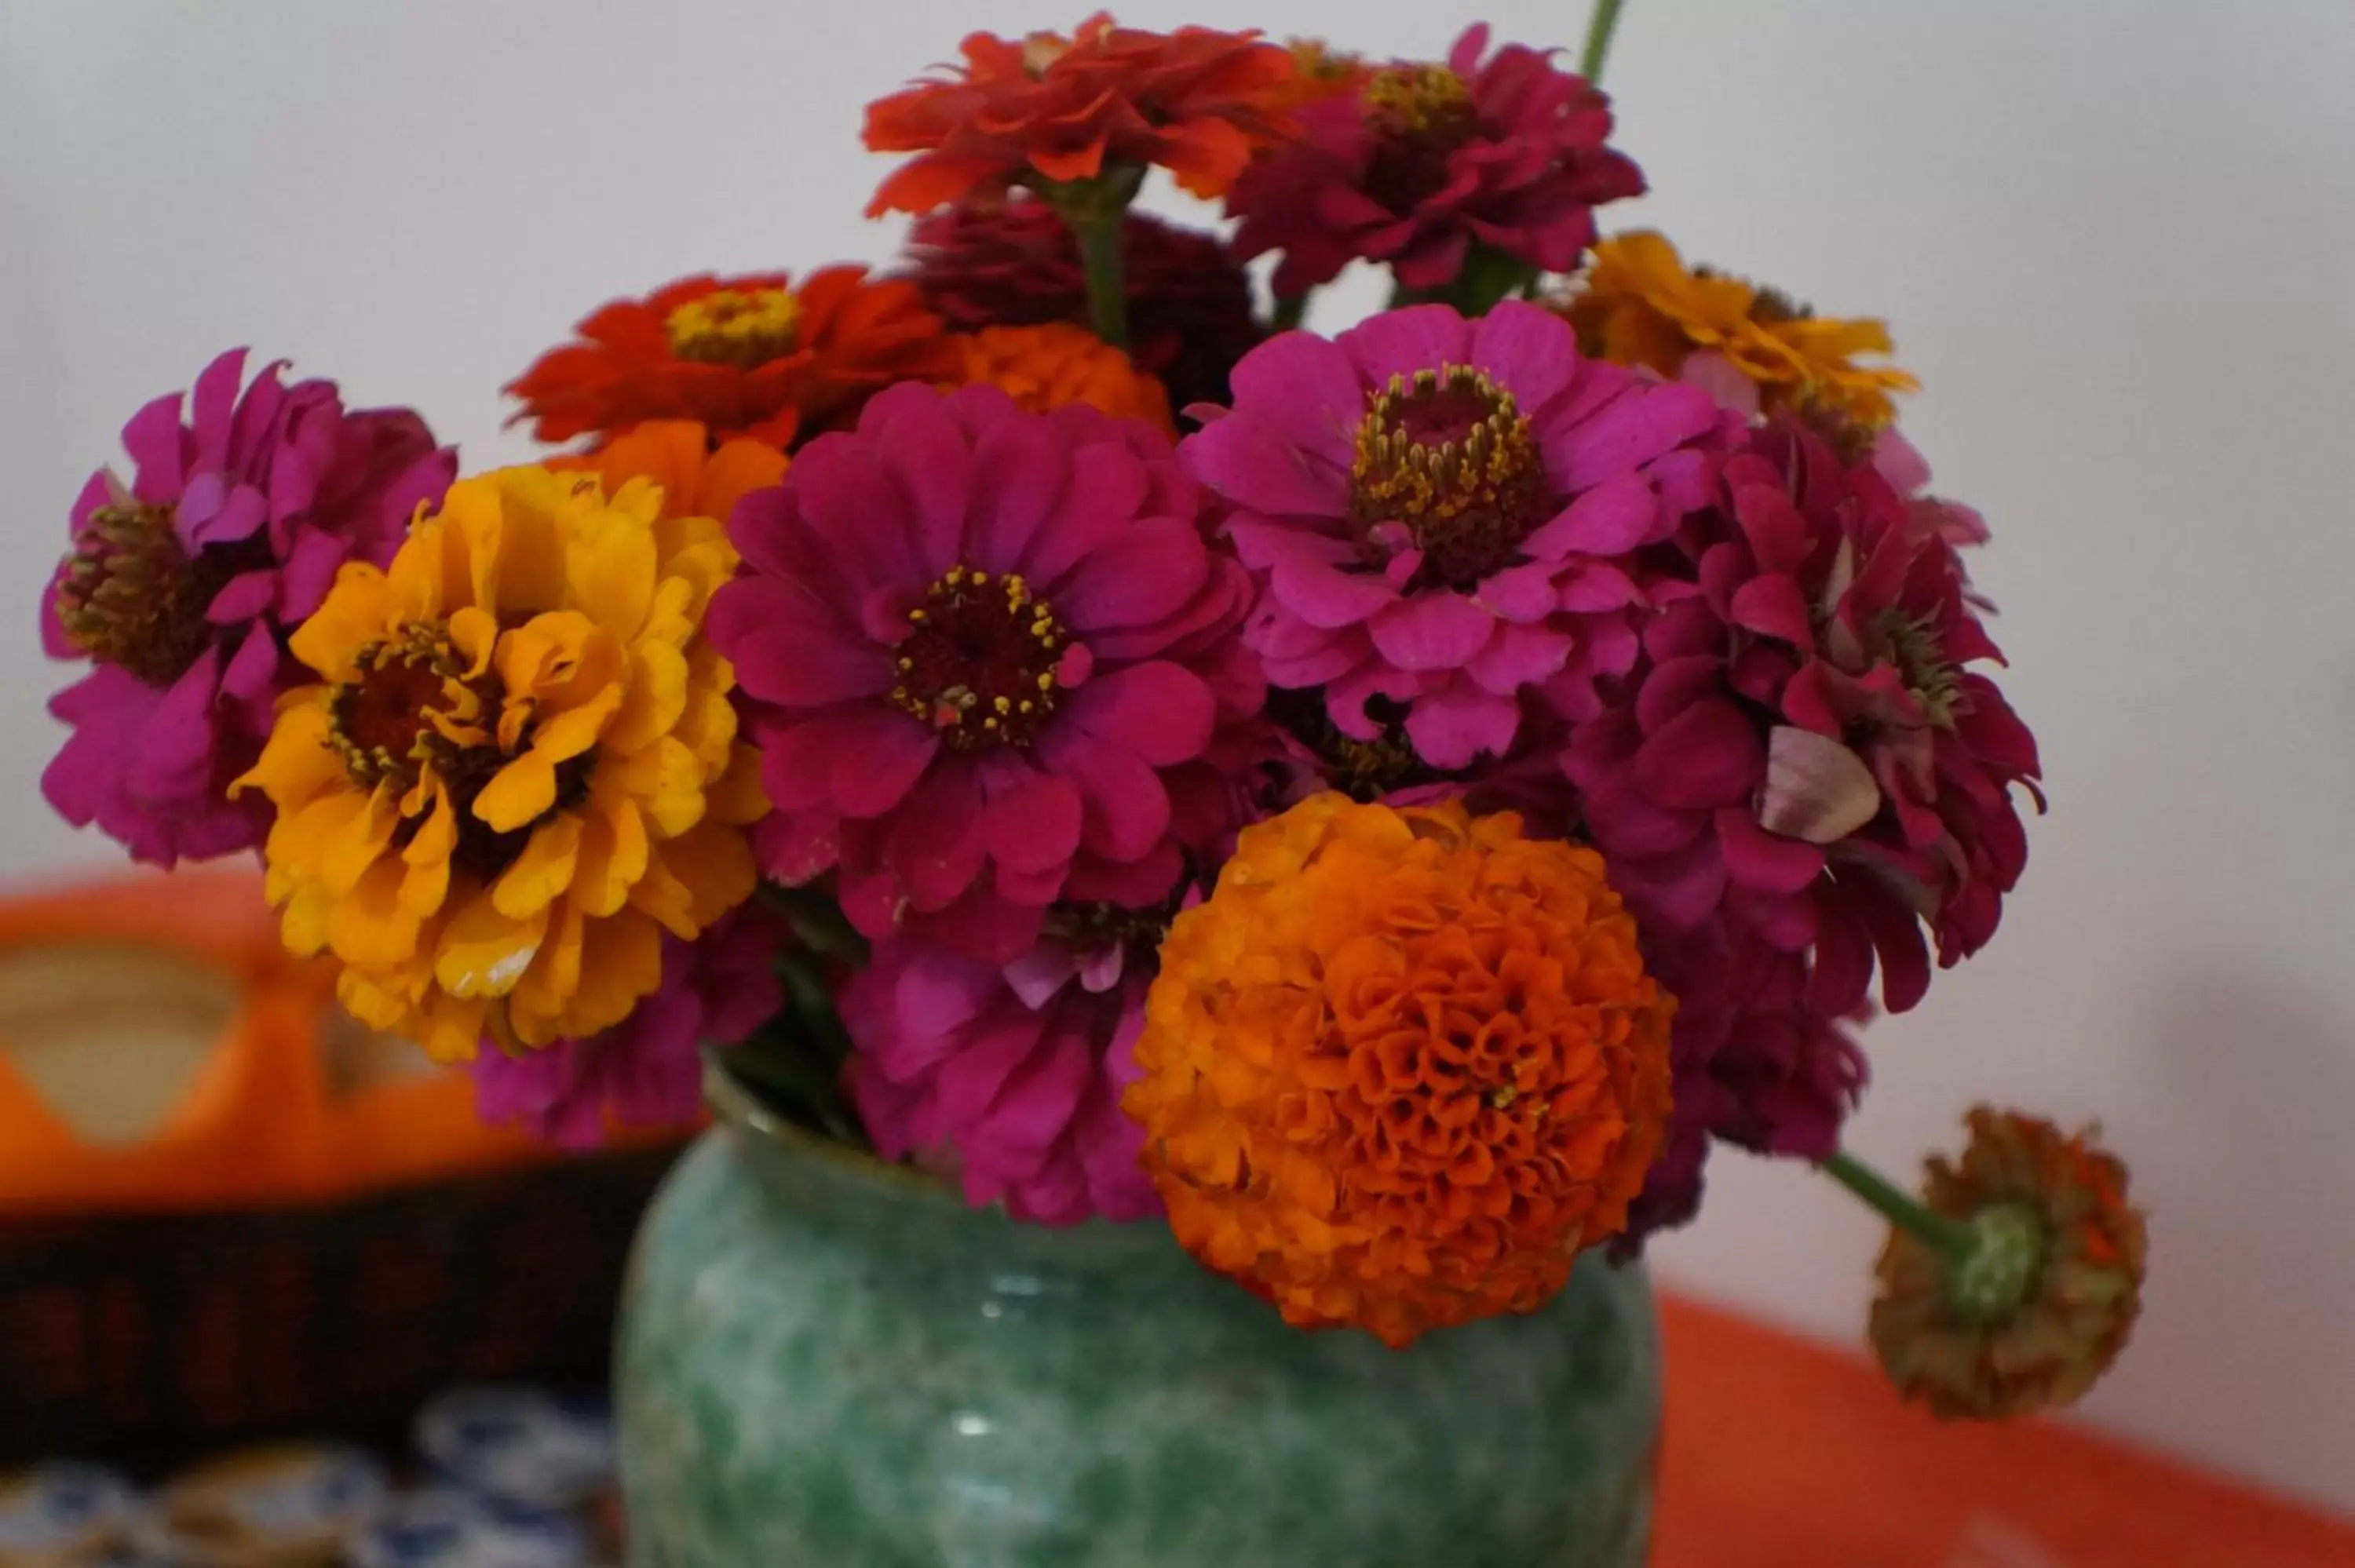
column 736, row 1108
column 856, row 1187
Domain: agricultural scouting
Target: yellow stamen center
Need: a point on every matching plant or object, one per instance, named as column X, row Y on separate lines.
column 979, row 660
column 1320, row 68
column 1419, row 116
column 1422, row 99
column 743, row 327
column 1448, row 456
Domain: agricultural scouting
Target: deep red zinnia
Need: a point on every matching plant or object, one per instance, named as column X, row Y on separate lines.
column 1804, row 742
column 1423, row 162
column 1754, row 1063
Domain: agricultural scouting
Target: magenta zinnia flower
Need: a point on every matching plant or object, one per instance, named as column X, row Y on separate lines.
column 1803, row 745
column 1421, row 161
column 647, row 1070
column 1755, row 1064
column 990, row 660
column 1010, row 1076
column 181, row 587
column 1443, row 514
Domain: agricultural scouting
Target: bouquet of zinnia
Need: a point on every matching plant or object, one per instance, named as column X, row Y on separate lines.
column 1385, row 805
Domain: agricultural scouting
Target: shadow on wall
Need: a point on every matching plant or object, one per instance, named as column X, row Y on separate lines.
column 2260, row 1074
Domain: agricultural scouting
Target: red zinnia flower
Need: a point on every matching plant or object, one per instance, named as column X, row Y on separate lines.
column 750, row 356
column 1803, row 743
column 1424, row 161
column 1190, row 302
column 1197, row 101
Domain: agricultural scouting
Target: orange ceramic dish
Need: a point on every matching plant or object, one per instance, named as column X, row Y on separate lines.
column 284, row 1107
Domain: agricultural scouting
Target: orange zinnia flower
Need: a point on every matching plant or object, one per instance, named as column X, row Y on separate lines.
column 1401, row 1066
column 1047, row 367
column 751, row 355
column 698, row 477
column 2040, row 1304
column 1638, row 303
column 1197, row 101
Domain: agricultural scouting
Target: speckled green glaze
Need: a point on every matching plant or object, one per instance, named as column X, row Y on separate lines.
column 825, row 1360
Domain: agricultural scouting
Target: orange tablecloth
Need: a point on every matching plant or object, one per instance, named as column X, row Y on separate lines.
column 1782, row 1454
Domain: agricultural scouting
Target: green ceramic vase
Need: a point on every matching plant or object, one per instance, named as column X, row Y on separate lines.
column 828, row 1361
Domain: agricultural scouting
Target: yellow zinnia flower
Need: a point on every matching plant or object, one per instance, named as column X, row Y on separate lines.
column 1638, row 303
column 519, row 767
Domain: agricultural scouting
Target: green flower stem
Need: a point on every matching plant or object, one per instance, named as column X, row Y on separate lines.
column 1099, row 238
column 1599, row 28
column 1096, row 212
column 1488, row 277
column 1951, row 1240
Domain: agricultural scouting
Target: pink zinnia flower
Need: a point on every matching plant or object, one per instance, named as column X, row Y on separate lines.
column 1421, row 161
column 1009, row 1077
column 990, row 658
column 1804, row 744
column 180, row 589
column 1443, row 515
column 647, row 1070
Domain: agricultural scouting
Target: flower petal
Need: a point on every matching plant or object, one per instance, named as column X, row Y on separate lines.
column 1141, row 574
column 542, row 872
column 1436, row 630
column 1450, row 729
column 1611, row 519
column 1161, row 712
column 1030, row 820
column 1706, row 756
column 1817, row 791
column 1328, row 598
column 1767, row 862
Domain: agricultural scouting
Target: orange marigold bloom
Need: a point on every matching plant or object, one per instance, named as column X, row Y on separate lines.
column 752, row 355
column 1047, row 367
column 1637, row 304
column 2050, row 1287
column 1197, row 101
column 1401, row 1066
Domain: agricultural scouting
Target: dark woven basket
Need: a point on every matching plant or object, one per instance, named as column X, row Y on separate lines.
column 145, row 1341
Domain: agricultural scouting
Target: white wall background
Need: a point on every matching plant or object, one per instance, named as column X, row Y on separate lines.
column 2117, row 241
